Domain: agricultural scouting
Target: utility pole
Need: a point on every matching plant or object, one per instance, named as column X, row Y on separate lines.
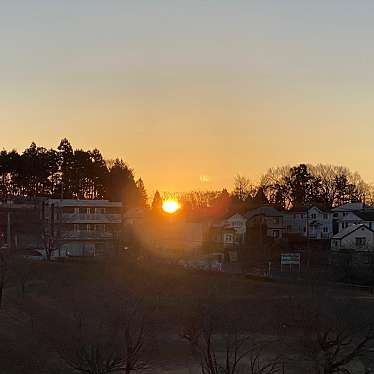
column 9, row 232
column 52, row 236
column 307, row 238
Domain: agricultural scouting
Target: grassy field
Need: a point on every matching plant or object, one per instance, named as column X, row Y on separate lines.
column 59, row 297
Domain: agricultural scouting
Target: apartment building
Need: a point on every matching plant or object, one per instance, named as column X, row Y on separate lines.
column 83, row 227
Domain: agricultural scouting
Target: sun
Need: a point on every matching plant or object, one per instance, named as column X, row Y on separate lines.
column 170, row 206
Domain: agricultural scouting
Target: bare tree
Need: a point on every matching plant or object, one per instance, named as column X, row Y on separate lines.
column 50, row 230
column 225, row 350
column 331, row 343
column 122, row 345
column 243, row 188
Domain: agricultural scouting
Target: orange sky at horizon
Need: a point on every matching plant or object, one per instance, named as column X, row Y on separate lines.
column 192, row 94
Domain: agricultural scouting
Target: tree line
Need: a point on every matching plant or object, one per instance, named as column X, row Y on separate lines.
column 283, row 187
column 68, row 173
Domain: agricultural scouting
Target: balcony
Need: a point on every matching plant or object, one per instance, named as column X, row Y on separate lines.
column 91, row 218
column 87, row 235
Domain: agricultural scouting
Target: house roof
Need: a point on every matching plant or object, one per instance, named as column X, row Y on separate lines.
column 84, row 203
column 350, row 207
column 264, row 210
column 366, row 215
column 305, row 208
column 349, row 230
column 238, row 215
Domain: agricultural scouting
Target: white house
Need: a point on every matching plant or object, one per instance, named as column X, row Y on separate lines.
column 239, row 224
column 229, row 232
column 343, row 210
column 354, row 238
column 346, row 213
column 365, row 216
column 311, row 222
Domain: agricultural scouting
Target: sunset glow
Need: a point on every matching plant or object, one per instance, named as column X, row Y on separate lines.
column 170, row 206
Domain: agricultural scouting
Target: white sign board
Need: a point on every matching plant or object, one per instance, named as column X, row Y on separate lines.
column 290, row 259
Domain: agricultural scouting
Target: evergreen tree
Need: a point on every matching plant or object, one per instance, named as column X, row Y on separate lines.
column 143, row 198
column 157, row 202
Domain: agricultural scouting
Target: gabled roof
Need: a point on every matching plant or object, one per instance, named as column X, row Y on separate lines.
column 349, row 230
column 350, row 207
column 264, row 210
column 233, row 215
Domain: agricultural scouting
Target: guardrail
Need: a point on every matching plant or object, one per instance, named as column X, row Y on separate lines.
column 93, row 217
column 87, row 235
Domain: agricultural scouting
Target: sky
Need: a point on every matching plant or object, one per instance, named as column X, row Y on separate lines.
column 191, row 93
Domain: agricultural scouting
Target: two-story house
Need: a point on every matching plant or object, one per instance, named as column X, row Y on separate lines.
column 364, row 216
column 344, row 212
column 310, row 222
column 229, row 232
column 265, row 221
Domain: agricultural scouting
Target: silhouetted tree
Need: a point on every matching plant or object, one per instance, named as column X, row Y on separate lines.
column 242, row 188
column 326, row 185
column 142, row 193
column 67, row 168
column 157, row 202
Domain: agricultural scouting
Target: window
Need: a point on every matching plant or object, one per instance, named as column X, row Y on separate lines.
column 275, row 234
column 336, row 215
column 360, row 242
column 228, row 238
column 325, row 216
column 314, row 216
column 325, row 229
column 344, row 214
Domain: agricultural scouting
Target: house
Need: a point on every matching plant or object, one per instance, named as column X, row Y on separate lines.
column 266, row 221
column 239, row 224
column 228, row 233
column 354, row 238
column 310, row 222
column 344, row 211
column 364, row 216
column 83, row 227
